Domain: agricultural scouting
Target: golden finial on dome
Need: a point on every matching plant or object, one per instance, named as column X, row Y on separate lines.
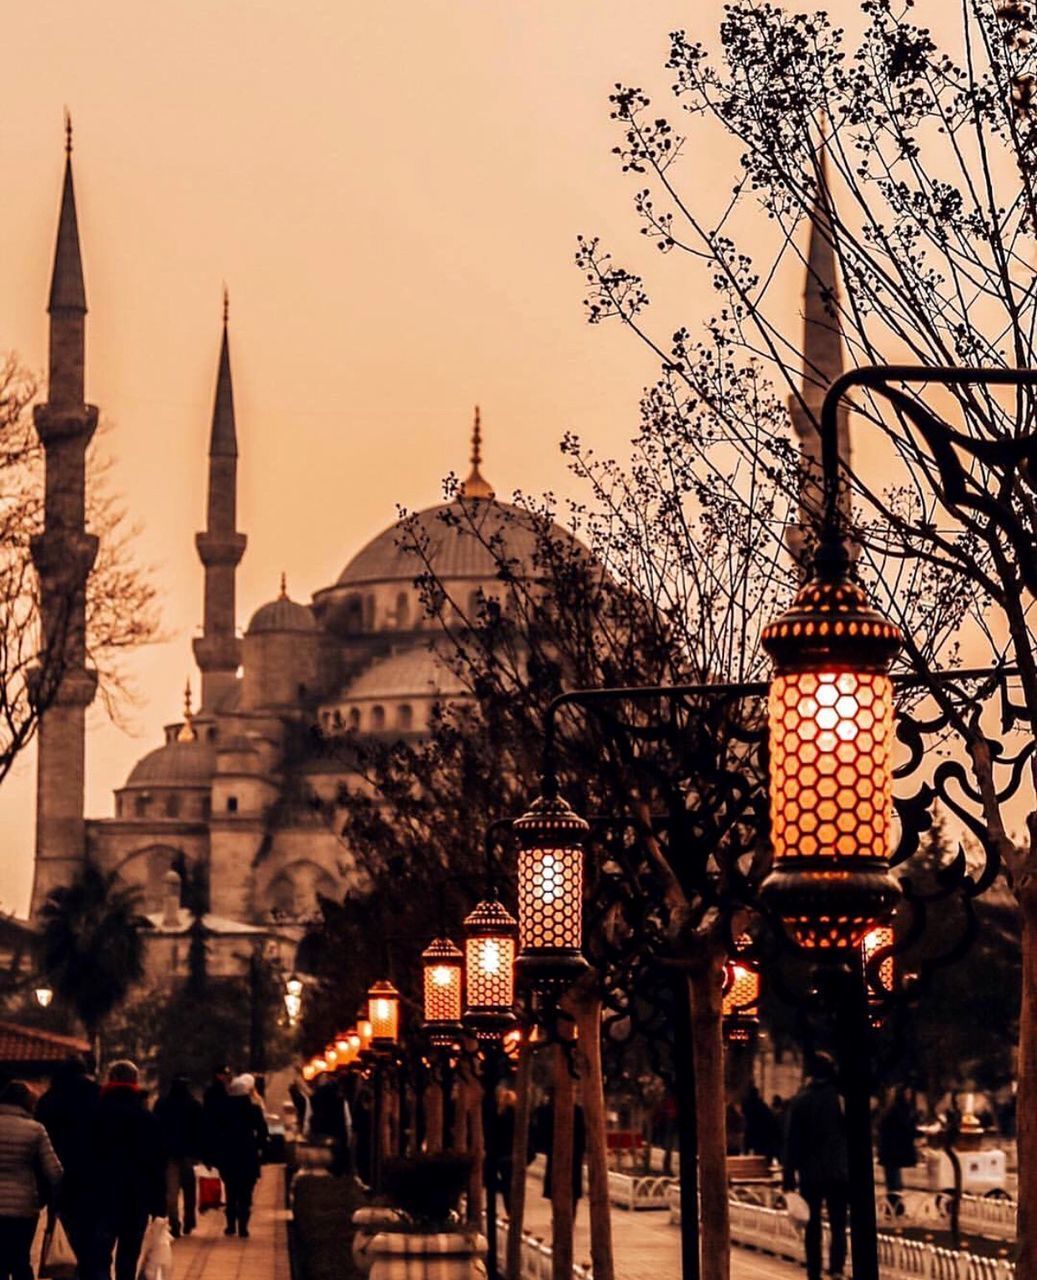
column 187, row 733
column 284, row 586
column 475, row 486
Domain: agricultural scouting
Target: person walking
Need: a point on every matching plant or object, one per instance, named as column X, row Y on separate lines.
column 127, row 1175
column 816, row 1158
column 242, row 1139
column 504, row 1141
column 30, row 1173
column 213, row 1101
column 898, row 1129
column 179, row 1116
column 66, row 1111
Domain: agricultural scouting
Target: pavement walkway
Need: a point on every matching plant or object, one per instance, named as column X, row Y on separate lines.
column 646, row 1244
column 207, row 1254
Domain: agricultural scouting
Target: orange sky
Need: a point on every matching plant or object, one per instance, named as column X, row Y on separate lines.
column 392, row 194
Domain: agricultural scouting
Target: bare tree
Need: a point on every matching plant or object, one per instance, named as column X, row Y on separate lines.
column 914, row 157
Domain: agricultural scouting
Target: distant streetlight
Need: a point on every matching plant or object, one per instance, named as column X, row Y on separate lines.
column 293, row 998
column 44, row 995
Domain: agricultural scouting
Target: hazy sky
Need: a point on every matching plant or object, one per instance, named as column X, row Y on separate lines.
column 392, row 194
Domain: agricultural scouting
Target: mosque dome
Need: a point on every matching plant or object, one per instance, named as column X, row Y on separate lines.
column 282, row 615
column 416, row 672
column 179, row 763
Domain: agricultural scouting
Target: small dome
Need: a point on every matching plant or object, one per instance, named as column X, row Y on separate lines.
column 177, row 764
column 282, row 615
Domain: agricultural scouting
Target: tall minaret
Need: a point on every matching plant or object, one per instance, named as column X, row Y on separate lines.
column 63, row 554
column 822, row 359
column 220, row 548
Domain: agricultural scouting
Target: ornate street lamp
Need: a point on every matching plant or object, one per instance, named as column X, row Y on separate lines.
column 741, row 995
column 879, row 939
column 830, row 718
column 550, row 894
column 442, row 965
column 383, row 1012
column 490, row 933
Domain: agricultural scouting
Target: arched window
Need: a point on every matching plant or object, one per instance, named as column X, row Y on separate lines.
column 405, row 716
column 140, row 805
column 213, row 734
column 402, row 611
column 475, row 605
column 354, row 615
column 337, row 719
column 368, row 613
column 377, row 718
column 354, row 717
column 232, row 804
column 172, row 806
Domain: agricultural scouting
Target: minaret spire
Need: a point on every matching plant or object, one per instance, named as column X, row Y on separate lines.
column 476, row 486
column 220, row 547
column 63, row 554
column 823, row 356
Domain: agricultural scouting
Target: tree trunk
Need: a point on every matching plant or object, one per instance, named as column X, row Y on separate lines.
column 519, row 1149
column 1026, row 1100
column 562, row 1208
column 433, row 1104
column 588, row 1021
column 706, row 981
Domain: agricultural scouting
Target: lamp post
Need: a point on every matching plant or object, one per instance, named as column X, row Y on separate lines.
column 490, row 935
column 443, row 990
column 382, row 1027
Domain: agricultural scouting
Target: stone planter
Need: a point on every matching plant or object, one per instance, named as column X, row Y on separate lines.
column 444, row 1255
column 371, row 1223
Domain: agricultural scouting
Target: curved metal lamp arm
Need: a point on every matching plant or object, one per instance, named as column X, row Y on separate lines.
column 941, row 439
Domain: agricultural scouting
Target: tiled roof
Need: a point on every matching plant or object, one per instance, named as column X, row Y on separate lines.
column 33, row 1044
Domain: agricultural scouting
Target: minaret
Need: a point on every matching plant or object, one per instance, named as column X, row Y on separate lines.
column 476, row 486
column 63, row 554
column 220, row 548
column 822, row 360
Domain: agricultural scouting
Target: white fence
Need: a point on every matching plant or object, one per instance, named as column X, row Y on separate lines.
column 638, row 1191
column 535, row 1256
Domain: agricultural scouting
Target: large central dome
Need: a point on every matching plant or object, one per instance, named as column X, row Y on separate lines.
column 463, row 539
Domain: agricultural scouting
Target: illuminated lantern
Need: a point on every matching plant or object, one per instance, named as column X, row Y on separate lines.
column 830, row 716
column 878, row 939
column 512, row 1043
column 293, row 998
column 308, row 1071
column 490, row 933
column 363, row 1030
column 741, row 995
column 443, row 979
column 383, row 1012
column 550, row 894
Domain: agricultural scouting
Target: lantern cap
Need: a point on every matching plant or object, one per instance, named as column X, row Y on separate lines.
column 440, row 949
column 491, row 917
column 550, row 822
column 382, row 990
column 832, row 622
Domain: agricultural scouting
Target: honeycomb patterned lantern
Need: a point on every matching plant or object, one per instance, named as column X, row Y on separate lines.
column 741, row 995
column 831, row 785
column 490, row 933
column 550, row 894
column 443, row 965
column 383, row 1012
column 878, row 939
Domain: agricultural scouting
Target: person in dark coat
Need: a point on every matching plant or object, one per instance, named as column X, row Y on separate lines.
column 242, row 1140
column 29, row 1173
column 504, row 1141
column 762, row 1129
column 66, row 1111
column 213, row 1100
column 127, row 1175
column 898, row 1129
column 179, row 1115
column 816, row 1159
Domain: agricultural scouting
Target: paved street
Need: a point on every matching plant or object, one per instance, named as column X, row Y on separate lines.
column 647, row 1246
column 207, row 1254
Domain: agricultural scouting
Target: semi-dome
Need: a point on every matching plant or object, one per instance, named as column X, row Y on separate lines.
column 177, row 764
column 461, row 538
column 417, row 672
column 282, row 615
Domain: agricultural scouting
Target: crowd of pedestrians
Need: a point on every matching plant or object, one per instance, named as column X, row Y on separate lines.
column 105, row 1163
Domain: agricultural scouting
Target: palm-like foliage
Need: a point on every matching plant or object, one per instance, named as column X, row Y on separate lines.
column 92, row 948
